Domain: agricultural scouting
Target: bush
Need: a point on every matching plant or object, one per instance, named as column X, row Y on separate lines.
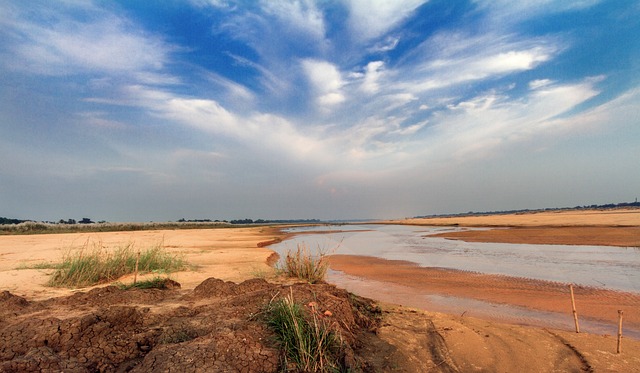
column 89, row 267
column 307, row 346
column 153, row 283
column 302, row 264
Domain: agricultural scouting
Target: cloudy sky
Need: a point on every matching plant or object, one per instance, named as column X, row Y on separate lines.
column 159, row 110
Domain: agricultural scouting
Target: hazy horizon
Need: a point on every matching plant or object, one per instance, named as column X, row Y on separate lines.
column 363, row 109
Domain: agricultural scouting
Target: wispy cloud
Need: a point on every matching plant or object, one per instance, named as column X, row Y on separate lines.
column 370, row 19
column 67, row 45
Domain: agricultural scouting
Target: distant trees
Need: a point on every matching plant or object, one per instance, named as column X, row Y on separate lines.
column 10, row 221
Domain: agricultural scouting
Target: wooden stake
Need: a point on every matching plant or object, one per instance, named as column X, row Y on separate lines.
column 135, row 275
column 619, row 330
column 573, row 307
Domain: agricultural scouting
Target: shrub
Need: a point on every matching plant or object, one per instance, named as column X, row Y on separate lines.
column 302, row 264
column 89, row 267
column 307, row 345
column 153, row 283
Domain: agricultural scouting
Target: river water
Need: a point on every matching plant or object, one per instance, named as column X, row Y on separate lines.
column 615, row 268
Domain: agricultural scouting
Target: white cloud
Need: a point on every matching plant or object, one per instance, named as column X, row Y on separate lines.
column 372, row 18
column 390, row 43
column 299, row 15
column 373, row 72
column 326, row 81
column 539, row 83
column 101, row 43
column 509, row 11
column 484, row 57
column 478, row 128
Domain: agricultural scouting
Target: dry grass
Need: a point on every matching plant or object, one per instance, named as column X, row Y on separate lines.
column 86, row 267
column 304, row 265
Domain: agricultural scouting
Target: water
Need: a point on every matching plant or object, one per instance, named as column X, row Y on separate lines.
column 615, row 268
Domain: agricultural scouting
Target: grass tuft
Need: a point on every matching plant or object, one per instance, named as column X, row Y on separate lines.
column 86, row 267
column 152, row 283
column 307, row 345
column 303, row 265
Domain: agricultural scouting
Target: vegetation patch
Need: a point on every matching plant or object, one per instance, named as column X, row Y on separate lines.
column 307, row 343
column 304, row 265
column 86, row 267
column 152, row 283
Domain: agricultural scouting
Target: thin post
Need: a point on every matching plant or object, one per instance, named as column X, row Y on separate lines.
column 573, row 308
column 619, row 331
column 135, row 275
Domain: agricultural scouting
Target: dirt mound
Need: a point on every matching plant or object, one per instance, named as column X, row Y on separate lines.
column 220, row 327
column 217, row 327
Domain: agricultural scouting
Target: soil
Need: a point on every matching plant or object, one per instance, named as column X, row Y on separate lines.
column 217, row 327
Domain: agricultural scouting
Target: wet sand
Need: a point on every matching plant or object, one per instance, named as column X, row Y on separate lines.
column 597, row 236
column 538, row 295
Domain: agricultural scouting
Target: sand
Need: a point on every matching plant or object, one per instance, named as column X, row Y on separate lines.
column 560, row 218
column 230, row 254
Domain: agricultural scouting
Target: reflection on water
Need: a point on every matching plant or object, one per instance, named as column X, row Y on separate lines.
column 614, row 268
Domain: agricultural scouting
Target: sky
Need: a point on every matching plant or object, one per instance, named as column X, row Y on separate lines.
column 214, row 109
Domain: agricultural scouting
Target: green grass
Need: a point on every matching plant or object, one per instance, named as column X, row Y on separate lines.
column 307, row 345
column 85, row 267
column 304, row 265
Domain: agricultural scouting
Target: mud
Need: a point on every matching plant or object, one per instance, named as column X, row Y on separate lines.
column 217, row 327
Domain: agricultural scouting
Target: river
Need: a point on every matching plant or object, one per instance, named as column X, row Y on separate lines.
column 614, row 268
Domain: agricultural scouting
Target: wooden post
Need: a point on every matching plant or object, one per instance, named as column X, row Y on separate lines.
column 573, row 307
column 135, row 275
column 619, row 331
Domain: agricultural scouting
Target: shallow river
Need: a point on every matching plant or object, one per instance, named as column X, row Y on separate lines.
column 613, row 268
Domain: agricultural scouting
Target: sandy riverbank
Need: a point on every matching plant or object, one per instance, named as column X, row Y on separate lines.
column 230, row 254
column 560, row 218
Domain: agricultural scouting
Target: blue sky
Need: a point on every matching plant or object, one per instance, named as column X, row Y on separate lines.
column 145, row 110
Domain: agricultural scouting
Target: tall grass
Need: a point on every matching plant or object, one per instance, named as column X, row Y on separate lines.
column 307, row 345
column 86, row 267
column 304, row 265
